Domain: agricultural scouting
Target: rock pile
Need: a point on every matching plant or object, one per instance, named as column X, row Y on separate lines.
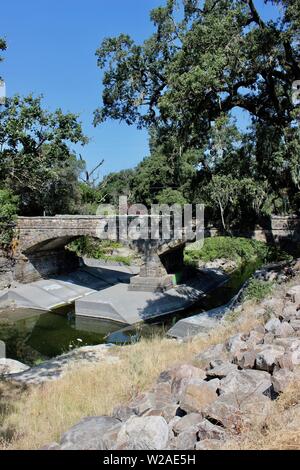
column 228, row 389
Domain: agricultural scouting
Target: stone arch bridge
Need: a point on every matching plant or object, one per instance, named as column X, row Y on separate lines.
column 39, row 246
column 39, row 249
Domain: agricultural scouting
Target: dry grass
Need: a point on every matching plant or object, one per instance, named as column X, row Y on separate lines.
column 43, row 413
column 281, row 430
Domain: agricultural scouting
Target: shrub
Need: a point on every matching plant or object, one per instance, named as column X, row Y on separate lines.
column 257, row 290
column 98, row 249
column 236, row 249
column 8, row 210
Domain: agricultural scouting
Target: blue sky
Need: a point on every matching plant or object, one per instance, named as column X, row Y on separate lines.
column 51, row 51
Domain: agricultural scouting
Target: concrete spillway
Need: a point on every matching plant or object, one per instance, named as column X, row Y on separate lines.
column 102, row 293
column 48, row 294
column 119, row 304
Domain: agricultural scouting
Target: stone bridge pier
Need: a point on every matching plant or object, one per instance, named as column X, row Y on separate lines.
column 40, row 251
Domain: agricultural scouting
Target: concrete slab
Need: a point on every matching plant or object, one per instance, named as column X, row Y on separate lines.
column 32, row 296
column 197, row 324
column 61, row 290
column 119, row 304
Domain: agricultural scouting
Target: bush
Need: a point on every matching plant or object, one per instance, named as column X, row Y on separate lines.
column 240, row 250
column 8, row 210
column 98, row 249
column 257, row 290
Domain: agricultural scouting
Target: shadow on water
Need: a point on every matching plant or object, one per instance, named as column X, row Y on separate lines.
column 33, row 336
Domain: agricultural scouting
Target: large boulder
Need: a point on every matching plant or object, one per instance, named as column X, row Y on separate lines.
column 189, row 421
column 246, row 381
column 186, row 440
column 295, row 324
column 197, row 395
column 209, row 444
column 236, row 344
column 245, row 359
column 272, row 325
column 10, row 366
column 274, row 305
column 89, row 434
column 221, row 371
column 159, row 401
column 293, row 295
column 179, row 376
column 284, row 330
column 238, row 410
column 289, row 313
column 282, row 378
column 143, row 433
column 207, row 430
column 268, row 357
column 214, row 353
column 256, row 337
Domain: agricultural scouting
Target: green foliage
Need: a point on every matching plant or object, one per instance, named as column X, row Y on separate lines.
column 98, row 249
column 3, row 46
column 240, row 250
column 203, row 60
column 230, row 196
column 257, row 290
column 8, row 210
column 171, row 196
column 200, row 63
column 36, row 161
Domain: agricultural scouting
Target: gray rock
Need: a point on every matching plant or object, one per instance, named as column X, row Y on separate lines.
column 179, row 376
column 214, row 353
column 197, row 395
column 293, row 295
column 236, row 344
column 272, row 325
column 285, row 362
column 209, row 444
column 239, row 410
column 289, row 344
column 255, row 337
column 221, row 371
column 284, row 330
column 245, row 359
column 157, row 402
column 88, row 433
column 267, row 359
column 282, row 378
column 186, row 440
column 143, row 433
column 246, row 381
column 295, row 324
column 188, row 421
column 10, row 366
column 269, row 338
column 122, row 413
column 274, row 305
column 289, row 313
column 207, row 430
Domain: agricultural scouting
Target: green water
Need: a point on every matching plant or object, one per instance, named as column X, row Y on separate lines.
column 33, row 336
